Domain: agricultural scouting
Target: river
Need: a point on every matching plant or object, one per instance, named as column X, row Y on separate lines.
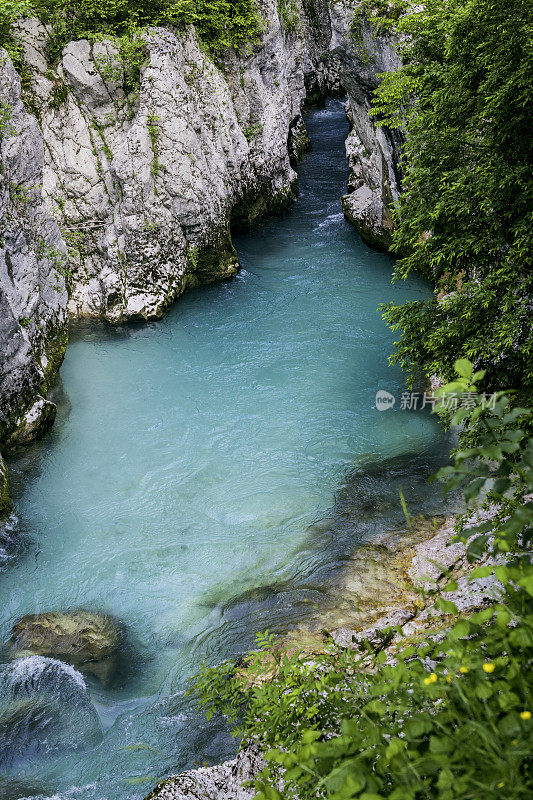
column 192, row 461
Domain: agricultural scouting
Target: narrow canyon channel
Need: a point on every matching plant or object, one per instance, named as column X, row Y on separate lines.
column 189, row 485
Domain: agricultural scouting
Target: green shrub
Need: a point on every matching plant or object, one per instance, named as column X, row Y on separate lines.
column 289, row 15
column 10, row 10
column 461, row 101
column 219, row 23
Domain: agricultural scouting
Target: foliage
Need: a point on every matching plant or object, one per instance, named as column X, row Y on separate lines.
column 153, row 132
column 382, row 15
column 58, row 93
column 356, row 37
column 57, row 259
column 252, row 130
column 7, row 127
column 288, row 15
column 219, row 23
column 453, row 717
column 11, row 10
column 465, row 216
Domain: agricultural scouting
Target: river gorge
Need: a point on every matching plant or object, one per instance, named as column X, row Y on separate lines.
column 196, row 510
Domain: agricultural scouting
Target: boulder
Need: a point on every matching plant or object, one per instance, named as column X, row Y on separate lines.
column 88, row 641
column 44, row 709
column 227, row 781
column 34, row 423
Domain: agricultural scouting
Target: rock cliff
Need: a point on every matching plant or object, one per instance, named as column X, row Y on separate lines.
column 33, row 269
column 147, row 172
column 141, row 162
column 359, row 55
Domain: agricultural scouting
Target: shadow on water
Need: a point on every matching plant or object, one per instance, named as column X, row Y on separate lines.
column 366, row 505
column 15, row 789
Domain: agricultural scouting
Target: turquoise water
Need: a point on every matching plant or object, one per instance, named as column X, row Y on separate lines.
column 183, row 486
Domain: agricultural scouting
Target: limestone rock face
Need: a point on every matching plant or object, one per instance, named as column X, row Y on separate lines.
column 359, row 55
column 147, row 179
column 44, row 709
column 33, row 296
column 87, row 641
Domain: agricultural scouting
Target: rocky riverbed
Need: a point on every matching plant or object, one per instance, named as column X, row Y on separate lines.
column 385, row 598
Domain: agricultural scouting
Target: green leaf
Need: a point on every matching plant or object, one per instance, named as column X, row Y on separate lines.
column 440, row 744
column 464, row 368
column 446, row 606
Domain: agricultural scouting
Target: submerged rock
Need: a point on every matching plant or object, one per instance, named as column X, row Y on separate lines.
column 44, row 708
column 15, row 788
column 86, row 640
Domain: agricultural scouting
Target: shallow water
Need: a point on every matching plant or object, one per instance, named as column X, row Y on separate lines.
column 189, row 484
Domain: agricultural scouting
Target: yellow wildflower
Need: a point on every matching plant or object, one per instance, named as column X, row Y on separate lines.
column 525, row 715
column 449, row 678
column 464, row 670
column 488, row 667
column 427, row 681
column 432, row 678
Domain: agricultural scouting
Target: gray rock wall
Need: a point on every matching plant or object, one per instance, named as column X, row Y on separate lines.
column 147, row 179
column 359, row 55
column 33, row 264
column 142, row 175
column 146, row 183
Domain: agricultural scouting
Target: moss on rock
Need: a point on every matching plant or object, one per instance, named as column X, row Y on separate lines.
column 257, row 204
column 54, row 351
column 88, row 641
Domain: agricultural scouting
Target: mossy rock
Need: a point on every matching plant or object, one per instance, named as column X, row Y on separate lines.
column 256, row 205
column 89, row 641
